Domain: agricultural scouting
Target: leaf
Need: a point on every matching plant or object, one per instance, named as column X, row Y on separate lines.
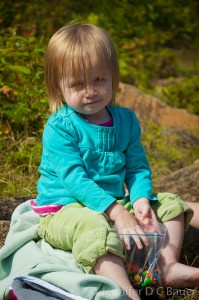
column 14, row 87
column 39, row 51
column 39, row 73
column 18, row 38
column 6, row 90
column 17, row 54
column 20, row 69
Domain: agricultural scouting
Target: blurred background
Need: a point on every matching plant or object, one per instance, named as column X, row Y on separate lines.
column 157, row 44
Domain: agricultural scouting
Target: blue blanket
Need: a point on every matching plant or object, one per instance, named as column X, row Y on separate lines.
column 24, row 253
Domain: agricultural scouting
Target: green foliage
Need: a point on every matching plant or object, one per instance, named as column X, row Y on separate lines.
column 148, row 36
column 151, row 39
column 183, row 94
column 24, row 106
column 167, row 150
column 19, row 166
column 22, row 91
column 145, row 32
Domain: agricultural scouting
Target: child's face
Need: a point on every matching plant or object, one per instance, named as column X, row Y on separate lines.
column 89, row 98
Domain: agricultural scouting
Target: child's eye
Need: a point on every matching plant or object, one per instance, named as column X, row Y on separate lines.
column 99, row 79
column 78, row 84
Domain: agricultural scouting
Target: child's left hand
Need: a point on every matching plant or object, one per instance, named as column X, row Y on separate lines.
column 143, row 211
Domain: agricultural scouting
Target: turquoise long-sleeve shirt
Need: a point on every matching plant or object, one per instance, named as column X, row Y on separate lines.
column 87, row 163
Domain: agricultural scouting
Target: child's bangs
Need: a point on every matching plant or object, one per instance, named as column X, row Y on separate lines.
column 79, row 64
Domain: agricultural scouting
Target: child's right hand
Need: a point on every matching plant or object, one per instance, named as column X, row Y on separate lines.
column 126, row 225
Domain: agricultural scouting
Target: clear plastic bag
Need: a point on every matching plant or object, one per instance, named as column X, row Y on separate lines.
column 141, row 264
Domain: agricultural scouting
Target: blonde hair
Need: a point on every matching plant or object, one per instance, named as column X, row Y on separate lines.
column 74, row 49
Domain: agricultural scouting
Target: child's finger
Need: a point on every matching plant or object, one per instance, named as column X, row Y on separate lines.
column 142, row 236
column 146, row 214
column 129, row 235
column 127, row 242
column 125, row 238
column 138, row 236
column 136, row 240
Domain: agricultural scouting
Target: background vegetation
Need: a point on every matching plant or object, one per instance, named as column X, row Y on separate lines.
column 157, row 44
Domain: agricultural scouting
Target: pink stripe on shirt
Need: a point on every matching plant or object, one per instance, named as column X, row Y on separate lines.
column 45, row 209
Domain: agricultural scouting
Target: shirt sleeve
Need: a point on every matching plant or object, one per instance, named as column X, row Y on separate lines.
column 138, row 173
column 61, row 146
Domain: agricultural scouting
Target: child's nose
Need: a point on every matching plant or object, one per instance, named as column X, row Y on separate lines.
column 90, row 91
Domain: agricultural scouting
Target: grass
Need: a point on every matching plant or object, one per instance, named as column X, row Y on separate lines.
column 19, row 169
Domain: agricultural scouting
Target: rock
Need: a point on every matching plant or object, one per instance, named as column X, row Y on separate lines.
column 183, row 182
column 154, row 110
column 4, row 228
column 7, row 208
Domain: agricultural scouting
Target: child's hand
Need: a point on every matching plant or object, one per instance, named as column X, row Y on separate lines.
column 143, row 211
column 127, row 224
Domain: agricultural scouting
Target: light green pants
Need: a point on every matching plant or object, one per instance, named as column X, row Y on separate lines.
column 89, row 235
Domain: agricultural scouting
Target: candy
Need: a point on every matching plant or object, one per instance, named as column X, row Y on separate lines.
column 144, row 278
column 137, row 278
column 147, row 282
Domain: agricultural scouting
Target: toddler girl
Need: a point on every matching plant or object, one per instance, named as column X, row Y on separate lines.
column 90, row 150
